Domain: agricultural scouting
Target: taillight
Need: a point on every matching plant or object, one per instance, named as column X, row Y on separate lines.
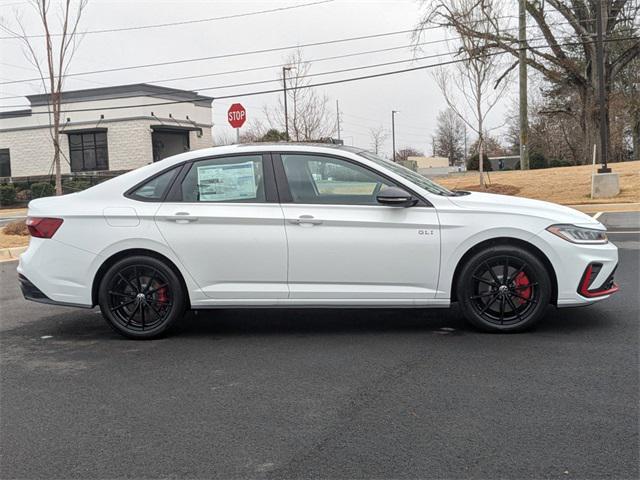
column 43, row 227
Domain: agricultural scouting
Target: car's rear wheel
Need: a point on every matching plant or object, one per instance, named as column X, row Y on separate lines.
column 504, row 288
column 141, row 297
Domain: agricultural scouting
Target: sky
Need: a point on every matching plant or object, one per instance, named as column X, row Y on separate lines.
column 363, row 104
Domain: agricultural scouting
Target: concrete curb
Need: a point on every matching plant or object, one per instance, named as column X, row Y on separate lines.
column 9, row 254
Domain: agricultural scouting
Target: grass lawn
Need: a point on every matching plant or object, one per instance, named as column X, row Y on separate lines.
column 565, row 185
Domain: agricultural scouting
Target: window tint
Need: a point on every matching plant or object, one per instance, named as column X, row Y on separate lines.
column 316, row 179
column 227, row 179
column 154, row 189
column 88, row 151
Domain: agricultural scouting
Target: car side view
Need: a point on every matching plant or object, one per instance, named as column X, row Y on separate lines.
column 302, row 225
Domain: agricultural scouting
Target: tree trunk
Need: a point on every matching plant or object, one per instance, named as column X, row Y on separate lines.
column 635, row 135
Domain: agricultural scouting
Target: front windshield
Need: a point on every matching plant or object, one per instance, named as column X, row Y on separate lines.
column 406, row 173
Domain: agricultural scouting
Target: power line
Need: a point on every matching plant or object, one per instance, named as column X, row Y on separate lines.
column 172, row 79
column 214, row 57
column 173, row 24
column 268, row 67
column 329, row 82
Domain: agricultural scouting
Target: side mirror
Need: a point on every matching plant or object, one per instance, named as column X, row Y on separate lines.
column 396, row 197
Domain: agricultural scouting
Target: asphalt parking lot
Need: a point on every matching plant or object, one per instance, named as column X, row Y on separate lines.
column 324, row 393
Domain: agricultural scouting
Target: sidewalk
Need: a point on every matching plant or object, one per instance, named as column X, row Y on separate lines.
column 607, row 207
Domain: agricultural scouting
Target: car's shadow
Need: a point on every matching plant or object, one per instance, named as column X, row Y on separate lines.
column 83, row 325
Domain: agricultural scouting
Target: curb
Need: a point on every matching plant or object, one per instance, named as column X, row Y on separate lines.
column 9, row 254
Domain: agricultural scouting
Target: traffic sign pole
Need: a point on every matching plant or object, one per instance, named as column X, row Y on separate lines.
column 237, row 135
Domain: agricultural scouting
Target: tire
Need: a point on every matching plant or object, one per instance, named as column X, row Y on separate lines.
column 141, row 297
column 494, row 305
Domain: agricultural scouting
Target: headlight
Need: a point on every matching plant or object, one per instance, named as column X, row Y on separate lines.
column 575, row 234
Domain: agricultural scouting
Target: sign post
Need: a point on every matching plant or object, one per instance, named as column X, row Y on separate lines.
column 237, row 115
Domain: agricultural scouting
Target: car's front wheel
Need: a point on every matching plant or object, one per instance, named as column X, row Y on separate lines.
column 141, row 297
column 503, row 288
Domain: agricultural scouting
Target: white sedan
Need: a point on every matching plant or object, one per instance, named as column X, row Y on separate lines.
column 300, row 225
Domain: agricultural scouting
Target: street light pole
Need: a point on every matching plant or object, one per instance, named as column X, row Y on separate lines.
column 286, row 113
column 604, row 127
column 393, row 132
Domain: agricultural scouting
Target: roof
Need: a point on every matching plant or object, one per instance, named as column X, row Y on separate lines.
column 123, row 91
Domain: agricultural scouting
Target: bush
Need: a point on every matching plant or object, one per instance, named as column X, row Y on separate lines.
column 7, row 195
column 42, row 189
column 19, row 227
column 537, row 160
column 23, row 195
column 554, row 163
column 72, row 186
column 472, row 163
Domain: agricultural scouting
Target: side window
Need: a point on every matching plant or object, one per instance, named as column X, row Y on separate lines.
column 226, row 179
column 154, row 189
column 327, row 180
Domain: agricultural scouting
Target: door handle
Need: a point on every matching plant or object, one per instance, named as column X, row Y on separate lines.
column 305, row 219
column 182, row 217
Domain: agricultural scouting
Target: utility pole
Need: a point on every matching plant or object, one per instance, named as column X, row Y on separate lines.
column 604, row 127
column 338, row 118
column 286, row 113
column 522, row 64
column 393, row 132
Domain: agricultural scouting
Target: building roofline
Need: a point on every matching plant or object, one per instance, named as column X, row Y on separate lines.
column 15, row 113
column 123, row 91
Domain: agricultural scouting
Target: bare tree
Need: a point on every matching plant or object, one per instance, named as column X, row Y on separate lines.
column 565, row 51
column 308, row 112
column 449, row 137
column 59, row 49
column 378, row 136
column 473, row 86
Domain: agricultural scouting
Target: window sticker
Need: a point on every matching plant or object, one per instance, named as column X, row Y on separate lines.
column 232, row 181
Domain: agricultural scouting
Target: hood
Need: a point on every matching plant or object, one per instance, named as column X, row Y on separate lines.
column 554, row 213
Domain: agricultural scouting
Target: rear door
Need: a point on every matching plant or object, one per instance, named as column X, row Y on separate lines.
column 344, row 245
column 223, row 221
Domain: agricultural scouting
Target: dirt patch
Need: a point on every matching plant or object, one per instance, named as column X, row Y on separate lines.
column 8, row 241
column 19, row 227
column 493, row 188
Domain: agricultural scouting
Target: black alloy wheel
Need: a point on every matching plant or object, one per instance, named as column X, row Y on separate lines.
column 504, row 288
column 140, row 297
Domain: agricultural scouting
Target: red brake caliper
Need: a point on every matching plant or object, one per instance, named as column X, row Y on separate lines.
column 162, row 295
column 520, row 281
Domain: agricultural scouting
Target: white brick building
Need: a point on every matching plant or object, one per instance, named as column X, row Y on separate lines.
column 110, row 128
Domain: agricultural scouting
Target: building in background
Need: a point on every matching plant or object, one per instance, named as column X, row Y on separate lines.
column 105, row 129
column 431, row 166
column 505, row 162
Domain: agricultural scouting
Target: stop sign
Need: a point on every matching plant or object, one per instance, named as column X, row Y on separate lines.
column 236, row 115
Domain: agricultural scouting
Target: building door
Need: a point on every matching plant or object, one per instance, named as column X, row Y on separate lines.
column 168, row 143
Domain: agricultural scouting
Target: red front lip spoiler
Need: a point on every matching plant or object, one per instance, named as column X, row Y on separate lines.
column 583, row 289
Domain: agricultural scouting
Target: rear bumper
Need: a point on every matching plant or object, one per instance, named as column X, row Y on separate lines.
column 56, row 273
column 33, row 293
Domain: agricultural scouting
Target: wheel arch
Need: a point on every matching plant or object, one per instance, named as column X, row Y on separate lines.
column 135, row 251
column 492, row 242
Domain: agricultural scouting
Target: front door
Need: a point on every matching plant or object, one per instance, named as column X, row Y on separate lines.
column 344, row 245
column 224, row 224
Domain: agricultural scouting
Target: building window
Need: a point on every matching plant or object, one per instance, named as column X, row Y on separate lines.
column 88, row 151
column 5, row 163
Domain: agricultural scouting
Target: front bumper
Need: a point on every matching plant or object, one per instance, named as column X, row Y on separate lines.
column 571, row 263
